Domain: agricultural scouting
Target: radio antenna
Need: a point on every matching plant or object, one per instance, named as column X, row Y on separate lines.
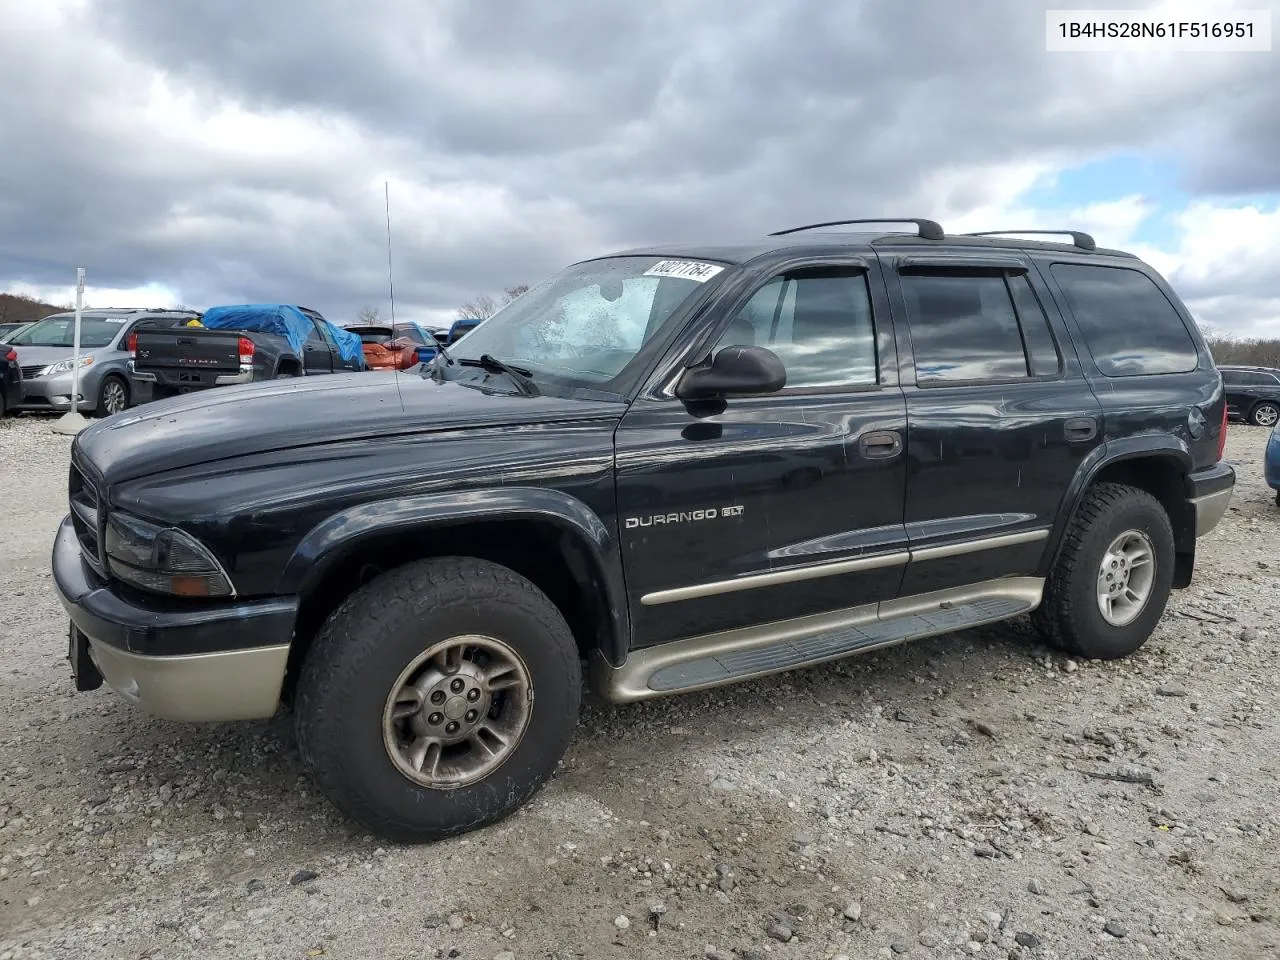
column 386, row 187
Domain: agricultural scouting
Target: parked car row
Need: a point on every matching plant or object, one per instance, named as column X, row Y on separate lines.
column 246, row 343
column 131, row 356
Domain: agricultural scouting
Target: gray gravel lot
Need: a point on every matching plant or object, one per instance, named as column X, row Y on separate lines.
column 970, row 795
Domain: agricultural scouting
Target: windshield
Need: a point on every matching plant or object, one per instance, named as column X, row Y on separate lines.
column 588, row 323
column 59, row 331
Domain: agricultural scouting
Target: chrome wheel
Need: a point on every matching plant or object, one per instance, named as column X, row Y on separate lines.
column 1266, row 415
column 114, row 396
column 1125, row 577
column 457, row 712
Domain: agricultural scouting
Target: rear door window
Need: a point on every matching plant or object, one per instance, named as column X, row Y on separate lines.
column 966, row 328
column 1128, row 323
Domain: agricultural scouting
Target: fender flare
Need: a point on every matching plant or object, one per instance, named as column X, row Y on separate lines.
column 1098, row 459
column 332, row 539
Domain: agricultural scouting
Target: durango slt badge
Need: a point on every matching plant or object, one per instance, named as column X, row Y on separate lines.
column 662, row 519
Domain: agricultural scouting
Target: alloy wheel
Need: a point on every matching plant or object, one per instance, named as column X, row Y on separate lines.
column 1125, row 577
column 457, row 712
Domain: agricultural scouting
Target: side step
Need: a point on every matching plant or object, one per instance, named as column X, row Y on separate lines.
column 714, row 659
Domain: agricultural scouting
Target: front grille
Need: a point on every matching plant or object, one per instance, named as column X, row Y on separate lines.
column 30, row 371
column 85, row 517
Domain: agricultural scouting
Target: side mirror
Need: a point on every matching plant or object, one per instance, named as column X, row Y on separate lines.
column 734, row 370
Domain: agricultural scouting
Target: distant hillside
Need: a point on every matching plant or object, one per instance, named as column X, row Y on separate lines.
column 16, row 308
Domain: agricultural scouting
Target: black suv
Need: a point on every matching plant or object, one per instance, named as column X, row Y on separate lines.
column 684, row 466
column 1253, row 394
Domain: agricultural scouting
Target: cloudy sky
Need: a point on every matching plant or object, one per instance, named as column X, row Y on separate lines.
column 206, row 151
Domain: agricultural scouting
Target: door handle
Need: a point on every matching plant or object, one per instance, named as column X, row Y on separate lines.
column 1081, row 428
column 880, row 444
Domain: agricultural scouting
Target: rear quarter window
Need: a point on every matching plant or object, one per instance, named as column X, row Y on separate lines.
column 1127, row 322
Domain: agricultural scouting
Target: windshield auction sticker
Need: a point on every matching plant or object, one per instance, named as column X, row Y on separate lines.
column 684, row 269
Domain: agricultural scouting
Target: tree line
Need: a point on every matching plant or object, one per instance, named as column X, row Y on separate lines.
column 1242, row 351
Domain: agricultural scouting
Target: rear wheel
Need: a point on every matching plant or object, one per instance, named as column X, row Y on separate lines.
column 416, row 709
column 1265, row 414
column 113, row 396
column 1112, row 579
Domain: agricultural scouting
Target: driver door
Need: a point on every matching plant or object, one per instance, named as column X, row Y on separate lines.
column 763, row 508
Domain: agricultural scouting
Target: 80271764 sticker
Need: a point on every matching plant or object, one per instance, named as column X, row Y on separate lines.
column 684, row 269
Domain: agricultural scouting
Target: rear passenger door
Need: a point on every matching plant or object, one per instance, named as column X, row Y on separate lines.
column 998, row 417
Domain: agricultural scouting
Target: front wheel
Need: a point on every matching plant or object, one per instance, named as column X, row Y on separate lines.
column 1112, row 579
column 438, row 698
column 1265, row 414
column 113, row 396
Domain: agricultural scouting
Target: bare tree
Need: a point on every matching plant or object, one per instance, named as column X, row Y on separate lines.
column 481, row 308
column 367, row 314
column 486, row 305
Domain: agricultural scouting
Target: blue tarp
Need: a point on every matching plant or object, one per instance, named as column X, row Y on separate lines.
column 283, row 320
column 349, row 345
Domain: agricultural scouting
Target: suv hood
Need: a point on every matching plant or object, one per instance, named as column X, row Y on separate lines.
column 226, row 422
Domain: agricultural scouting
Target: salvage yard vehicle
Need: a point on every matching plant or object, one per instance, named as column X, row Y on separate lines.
column 238, row 344
column 10, row 379
column 684, row 466
column 394, row 347
column 1271, row 462
column 45, row 352
column 1253, row 394
column 10, row 330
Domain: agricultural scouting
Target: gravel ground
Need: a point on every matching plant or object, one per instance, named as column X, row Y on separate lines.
column 970, row 795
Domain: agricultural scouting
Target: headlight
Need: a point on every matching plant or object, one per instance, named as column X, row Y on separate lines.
column 163, row 559
column 64, row 366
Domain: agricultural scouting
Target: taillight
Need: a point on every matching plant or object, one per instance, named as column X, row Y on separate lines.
column 12, row 355
column 133, row 344
column 1222, row 434
column 247, row 348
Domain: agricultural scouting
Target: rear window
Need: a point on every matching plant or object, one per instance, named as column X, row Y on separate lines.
column 1130, row 326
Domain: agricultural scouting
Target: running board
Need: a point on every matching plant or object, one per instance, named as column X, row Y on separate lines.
column 729, row 656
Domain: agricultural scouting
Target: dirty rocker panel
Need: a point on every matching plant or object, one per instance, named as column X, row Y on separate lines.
column 733, row 655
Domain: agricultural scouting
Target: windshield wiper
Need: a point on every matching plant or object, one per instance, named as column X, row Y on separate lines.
column 519, row 376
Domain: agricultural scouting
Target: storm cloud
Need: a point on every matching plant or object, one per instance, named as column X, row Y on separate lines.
column 233, row 150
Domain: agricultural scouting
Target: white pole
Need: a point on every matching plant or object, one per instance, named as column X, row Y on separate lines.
column 71, row 422
column 75, row 348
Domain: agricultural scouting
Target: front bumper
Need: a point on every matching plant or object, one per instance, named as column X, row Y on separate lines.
column 54, row 393
column 177, row 660
column 1209, row 491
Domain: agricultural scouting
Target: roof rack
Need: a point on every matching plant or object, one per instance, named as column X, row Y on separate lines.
column 929, row 230
column 1081, row 240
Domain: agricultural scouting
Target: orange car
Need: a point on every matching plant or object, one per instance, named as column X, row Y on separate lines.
column 390, row 348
